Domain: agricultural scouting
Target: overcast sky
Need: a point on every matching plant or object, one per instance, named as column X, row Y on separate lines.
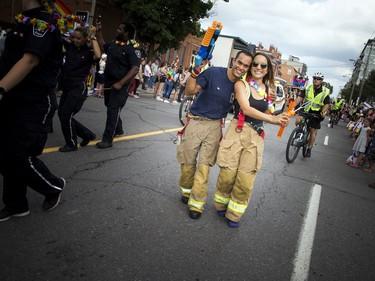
column 324, row 34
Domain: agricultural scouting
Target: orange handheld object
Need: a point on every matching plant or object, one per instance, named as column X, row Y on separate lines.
column 290, row 112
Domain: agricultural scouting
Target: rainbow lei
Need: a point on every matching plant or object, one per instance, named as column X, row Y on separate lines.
column 129, row 42
column 262, row 93
column 63, row 23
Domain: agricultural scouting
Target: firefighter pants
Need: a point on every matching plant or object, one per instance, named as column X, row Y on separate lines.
column 201, row 138
column 239, row 158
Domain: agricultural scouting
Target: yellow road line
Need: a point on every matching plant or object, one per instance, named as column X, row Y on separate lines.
column 54, row 149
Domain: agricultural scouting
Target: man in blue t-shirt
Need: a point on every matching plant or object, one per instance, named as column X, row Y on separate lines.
column 202, row 134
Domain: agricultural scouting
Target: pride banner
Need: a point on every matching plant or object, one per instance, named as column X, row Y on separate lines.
column 62, row 8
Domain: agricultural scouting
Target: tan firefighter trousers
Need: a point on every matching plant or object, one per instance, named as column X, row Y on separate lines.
column 239, row 158
column 201, row 137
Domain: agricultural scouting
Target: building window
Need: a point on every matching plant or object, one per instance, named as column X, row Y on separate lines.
column 289, row 72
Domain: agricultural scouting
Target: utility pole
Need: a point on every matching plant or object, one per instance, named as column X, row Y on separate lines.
column 92, row 11
column 364, row 75
column 352, row 80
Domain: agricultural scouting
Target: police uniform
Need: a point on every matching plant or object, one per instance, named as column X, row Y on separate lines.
column 77, row 65
column 121, row 57
column 202, row 135
column 318, row 98
column 26, row 112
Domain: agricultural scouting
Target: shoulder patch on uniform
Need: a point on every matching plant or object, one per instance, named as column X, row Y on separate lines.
column 40, row 28
column 138, row 53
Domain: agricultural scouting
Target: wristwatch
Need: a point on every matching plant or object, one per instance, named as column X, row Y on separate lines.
column 93, row 38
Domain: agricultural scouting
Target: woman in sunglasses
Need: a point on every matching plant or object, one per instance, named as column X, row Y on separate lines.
column 241, row 150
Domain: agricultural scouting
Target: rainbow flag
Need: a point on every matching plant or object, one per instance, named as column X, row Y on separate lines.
column 62, row 8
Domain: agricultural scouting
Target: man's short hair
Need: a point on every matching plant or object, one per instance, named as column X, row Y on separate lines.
column 130, row 28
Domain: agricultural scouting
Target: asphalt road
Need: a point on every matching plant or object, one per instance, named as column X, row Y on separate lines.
column 120, row 216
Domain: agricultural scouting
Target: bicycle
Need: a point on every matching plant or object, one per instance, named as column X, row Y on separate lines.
column 184, row 110
column 333, row 119
column 300, row 137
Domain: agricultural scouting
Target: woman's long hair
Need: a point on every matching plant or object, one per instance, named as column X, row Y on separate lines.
column 269, row 78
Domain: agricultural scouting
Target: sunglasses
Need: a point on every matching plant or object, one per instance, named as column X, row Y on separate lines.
column 262, row 65
column 316, row 78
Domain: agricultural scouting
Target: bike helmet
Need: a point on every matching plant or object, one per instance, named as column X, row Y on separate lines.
column 318, row 75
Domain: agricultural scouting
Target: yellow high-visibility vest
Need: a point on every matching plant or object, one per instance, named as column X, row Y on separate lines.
column 318, row 101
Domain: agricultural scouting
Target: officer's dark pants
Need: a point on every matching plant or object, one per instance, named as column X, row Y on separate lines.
column 114, row 100
column 71, row 102
column 19, row 165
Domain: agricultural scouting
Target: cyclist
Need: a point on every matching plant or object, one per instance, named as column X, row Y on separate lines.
column 318, row 97
column 337, row 107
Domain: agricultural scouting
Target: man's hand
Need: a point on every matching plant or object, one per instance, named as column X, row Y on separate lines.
column 92, row 32
column 272, row 94
column 98, row 25
column 117, row 86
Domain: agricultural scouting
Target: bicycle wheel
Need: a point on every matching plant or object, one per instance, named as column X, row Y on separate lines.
column 184, row 109
column 293, row 146
column 336, row 120
column 305, row 144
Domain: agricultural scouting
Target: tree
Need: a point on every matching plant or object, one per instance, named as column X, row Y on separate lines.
column 163, row 24
column 368, row 93
column 329, row 86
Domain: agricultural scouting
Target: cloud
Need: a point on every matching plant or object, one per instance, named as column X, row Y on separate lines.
column 323, row 34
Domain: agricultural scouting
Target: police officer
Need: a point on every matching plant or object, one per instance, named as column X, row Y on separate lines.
column 123, row 61
column 28, row 76
column 318, row 96
column 79, row 58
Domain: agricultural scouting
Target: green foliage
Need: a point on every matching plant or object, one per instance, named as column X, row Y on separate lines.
column 163, row 24
column 329, row 86
column 369, row 88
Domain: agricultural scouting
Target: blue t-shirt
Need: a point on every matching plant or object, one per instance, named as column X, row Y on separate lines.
column 215, row 98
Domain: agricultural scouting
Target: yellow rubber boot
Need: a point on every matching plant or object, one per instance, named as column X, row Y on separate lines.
column 224, row 186
column 198, row 195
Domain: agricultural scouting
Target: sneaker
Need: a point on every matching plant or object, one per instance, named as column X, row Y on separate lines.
column 136, row 97
column 233, row 224
column 175, row 102
column 68, row 148
column 308, row 152
column 6, row 214
column 167, row 101
column 159, row 98
column 103, row 144
column 221, row 213
column 119, row 133
column 85, row 142
column 52, row 201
